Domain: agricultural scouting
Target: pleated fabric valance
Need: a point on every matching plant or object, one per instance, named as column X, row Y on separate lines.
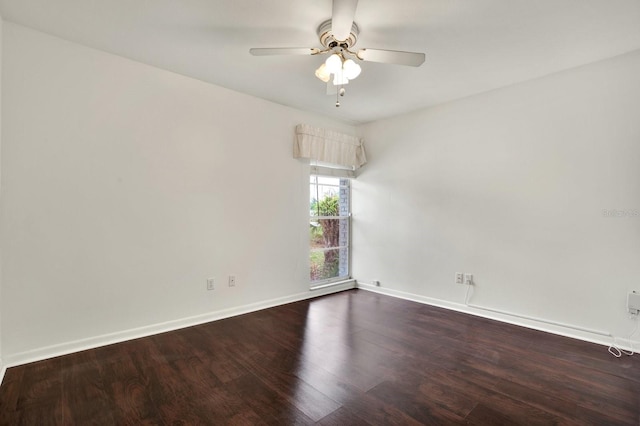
column 329, row 147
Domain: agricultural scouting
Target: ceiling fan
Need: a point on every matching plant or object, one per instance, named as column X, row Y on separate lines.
column 338, row 37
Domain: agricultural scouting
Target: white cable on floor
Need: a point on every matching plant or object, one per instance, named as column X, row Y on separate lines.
column 614, row 349
column 511, row 314
column 617, row 351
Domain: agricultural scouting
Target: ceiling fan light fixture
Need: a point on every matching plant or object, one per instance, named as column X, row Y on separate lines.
column 350, row 69
column 322, row 73
column 333, row 64
column 340, row 79
column 338, row 36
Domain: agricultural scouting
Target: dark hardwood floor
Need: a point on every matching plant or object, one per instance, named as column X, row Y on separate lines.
column 352, row 358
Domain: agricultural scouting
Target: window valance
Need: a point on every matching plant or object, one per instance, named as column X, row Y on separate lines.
column 329, row 147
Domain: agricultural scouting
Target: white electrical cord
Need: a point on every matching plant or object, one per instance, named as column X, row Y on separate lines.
column 466, row 297
column 616, row 351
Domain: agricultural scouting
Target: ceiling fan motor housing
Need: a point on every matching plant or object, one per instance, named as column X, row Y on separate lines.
column 329, row 41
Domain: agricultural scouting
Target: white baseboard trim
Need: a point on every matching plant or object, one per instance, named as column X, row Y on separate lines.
column 3, row 369
column 40, row 354
column 600, row 338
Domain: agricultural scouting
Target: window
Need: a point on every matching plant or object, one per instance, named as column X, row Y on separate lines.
column 329, row 227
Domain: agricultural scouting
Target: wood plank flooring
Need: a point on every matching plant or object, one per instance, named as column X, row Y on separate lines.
column 352, row 358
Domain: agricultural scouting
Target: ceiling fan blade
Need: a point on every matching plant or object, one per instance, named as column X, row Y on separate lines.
column 342, row 18
column 268, row 51
column 411, row 59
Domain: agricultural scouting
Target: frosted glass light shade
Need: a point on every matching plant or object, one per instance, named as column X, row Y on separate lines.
column 351, row 69
column 322, row 73
column 333, row 64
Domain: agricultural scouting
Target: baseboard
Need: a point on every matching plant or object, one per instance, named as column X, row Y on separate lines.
column 40, row 354
column 541, row 324
column 3, row 369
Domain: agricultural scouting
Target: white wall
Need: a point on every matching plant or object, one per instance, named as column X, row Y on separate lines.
column 510, row 185
column 125, row 187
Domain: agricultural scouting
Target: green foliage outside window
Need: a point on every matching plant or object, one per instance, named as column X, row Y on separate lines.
column 325, row 233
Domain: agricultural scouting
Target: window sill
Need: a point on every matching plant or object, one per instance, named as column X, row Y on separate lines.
column 332, row 284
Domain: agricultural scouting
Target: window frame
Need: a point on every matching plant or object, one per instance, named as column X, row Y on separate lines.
column 312, row 218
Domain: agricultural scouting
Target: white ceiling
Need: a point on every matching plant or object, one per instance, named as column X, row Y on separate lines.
column 471, row 45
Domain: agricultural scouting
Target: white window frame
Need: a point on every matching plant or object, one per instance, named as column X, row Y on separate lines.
column 347, row 217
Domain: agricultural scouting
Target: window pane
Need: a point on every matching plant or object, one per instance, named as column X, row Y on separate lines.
column 325, row 202
column 329, row 263
column 329, row 209
column 329, row 233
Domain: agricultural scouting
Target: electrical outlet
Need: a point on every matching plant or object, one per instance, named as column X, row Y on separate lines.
column 459, row 278
column 232, row 280
column 468, row 279
column 210, row 284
